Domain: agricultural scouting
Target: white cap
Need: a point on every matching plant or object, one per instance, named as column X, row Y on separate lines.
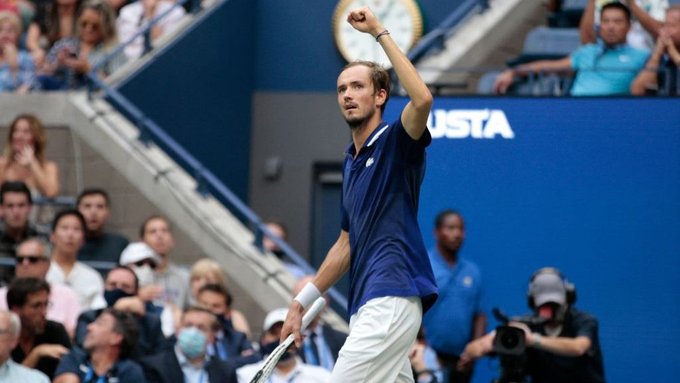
column 274, row 317
column 136, row 252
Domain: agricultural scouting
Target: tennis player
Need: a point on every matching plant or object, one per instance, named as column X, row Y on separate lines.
column 391, row 281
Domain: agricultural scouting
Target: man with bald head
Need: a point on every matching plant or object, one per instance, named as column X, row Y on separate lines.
column 322, row 342
column 10, row 371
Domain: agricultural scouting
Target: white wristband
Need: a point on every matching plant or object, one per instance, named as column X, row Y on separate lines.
column 308, row 295
column 537, row 339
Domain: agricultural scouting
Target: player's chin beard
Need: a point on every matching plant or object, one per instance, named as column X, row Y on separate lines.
column 358, row 121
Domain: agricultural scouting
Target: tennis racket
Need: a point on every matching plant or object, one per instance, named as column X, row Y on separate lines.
column 268, row 367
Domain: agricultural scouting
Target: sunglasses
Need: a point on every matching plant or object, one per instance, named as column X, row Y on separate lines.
column 32, row 259
column 84, row 24
column 146, row 261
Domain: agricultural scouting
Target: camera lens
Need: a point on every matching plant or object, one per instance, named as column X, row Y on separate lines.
column 509, row 339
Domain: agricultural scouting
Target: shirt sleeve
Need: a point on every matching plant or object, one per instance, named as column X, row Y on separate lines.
column 412, row 149
column 68, row 364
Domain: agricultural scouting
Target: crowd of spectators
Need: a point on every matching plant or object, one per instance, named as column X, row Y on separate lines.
column 52, row 45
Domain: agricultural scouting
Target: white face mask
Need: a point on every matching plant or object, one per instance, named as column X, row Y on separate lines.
column 144, row 275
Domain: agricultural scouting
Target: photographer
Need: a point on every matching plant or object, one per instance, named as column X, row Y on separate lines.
column 565, row 348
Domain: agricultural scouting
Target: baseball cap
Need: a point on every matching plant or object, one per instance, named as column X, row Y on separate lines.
column 136, row 252
column 275, row 316
column 547, row 288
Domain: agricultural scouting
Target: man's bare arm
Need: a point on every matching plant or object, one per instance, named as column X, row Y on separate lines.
column 415, row 114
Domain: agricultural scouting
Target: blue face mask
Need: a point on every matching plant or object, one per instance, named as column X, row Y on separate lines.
column 112, row 296
column 192, row 342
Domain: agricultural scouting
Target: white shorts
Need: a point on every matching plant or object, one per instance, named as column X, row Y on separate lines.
column 380, row 339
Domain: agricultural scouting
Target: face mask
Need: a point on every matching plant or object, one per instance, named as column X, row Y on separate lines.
column 112, row 296
column 268, row 348
column 192, row 342
column 144, row 275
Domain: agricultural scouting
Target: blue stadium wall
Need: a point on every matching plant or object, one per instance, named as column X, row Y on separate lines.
column 590, row 186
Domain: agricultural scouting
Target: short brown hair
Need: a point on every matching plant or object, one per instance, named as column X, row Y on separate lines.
column 380, row 78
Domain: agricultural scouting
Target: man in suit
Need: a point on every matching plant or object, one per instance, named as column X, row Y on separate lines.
column 188, row 358
column 322, row 342
column 120, row 291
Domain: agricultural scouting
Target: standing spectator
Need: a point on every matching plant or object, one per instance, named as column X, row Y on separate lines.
column 71, row 58
column 53, row 21
column 106, row 353
column 290, row 368
column 17, row 70
column 10, row 371
column 16, row 203
column 157, row 233
column 42, row 342
column 601, row 70
column 322, row 343
column 121, row 289
column 94, row 205
column 280, row 231
column 647, row 17
column 229, row 344
column 33, row 261
column 661, row 70
column 24, row 157
column 188, row 357
column 68, row 231
column 458, row 315
column 208, row 271
column 136, row 16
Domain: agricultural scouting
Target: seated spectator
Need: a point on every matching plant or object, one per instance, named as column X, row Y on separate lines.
column 660, row 74
column 106, row 353
column 10, row 371
column 68, row 231
column 17, row 70
column 322, row 343
column 136, row 16
column 424, row 362
column 174, row 281
column 16, row 203
column 42, row 342
column 279, row 229
column 208, row 271
column 188, row 358
column 601, row 70
column 53, row 21
column 121, row 289
column 24, row 157
column 229, row 344
column 290, row 368
column 33, row 261
column 99, row 245
column 71, row 58
column 646, row 21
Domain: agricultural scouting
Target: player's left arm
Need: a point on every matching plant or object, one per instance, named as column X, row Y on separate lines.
column 414, row 115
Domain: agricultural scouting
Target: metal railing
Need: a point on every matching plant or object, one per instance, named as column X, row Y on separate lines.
column 206, row 180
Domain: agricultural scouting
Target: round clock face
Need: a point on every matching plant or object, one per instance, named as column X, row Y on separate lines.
column 401, row 17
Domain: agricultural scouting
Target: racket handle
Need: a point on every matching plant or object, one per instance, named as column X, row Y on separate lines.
column 313, row 311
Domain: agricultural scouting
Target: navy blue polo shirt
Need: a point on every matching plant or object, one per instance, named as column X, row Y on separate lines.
column 78, row 362
column 380, row 193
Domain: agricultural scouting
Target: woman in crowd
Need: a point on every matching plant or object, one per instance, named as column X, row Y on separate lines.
column 17, row 71
column 53, row 21
column 24, row 156
column 206, row 271
column 70, row 59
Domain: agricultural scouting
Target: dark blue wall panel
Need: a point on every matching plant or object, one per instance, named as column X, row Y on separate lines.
column 591, row 186
column 200, row 92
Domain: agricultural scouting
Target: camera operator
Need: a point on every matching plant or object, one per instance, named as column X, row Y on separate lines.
column 565, row 348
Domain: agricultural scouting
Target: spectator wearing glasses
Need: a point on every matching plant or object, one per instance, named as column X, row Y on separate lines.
column 100, row 245
column 42, row 342
column 121, row 289
column 10, row 371
column 68, row 231
column 33, row 261
column 70, row 59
